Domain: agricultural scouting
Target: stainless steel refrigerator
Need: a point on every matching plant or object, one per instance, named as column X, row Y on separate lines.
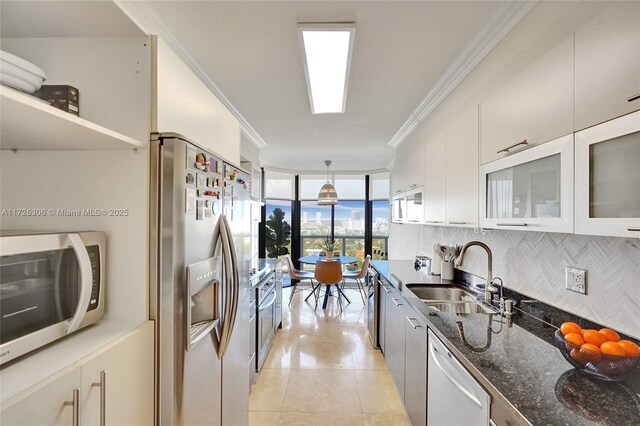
column 200, row 257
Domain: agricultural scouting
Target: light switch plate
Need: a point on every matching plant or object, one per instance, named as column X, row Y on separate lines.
column 576, row 279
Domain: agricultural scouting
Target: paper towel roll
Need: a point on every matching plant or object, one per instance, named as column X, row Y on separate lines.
column 435, row 262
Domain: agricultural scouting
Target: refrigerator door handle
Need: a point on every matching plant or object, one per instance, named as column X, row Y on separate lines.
column 86, row 281
column 234, row 281
column 228, row 290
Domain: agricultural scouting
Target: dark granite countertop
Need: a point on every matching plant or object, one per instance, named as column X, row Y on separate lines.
column 522, row 367
column 264, row 268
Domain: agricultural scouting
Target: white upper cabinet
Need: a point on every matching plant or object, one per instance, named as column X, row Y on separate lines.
column 435, row 178
column 607, row 64
column 398, row 175
column 184, row 104
column 533, row 107
column 414, row 164
column 451, row 171
column 462, row 168
column 608, row 178
column 531, row 190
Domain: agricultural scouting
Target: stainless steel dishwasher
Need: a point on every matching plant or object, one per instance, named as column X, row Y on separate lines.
column 453, row 396
column 373, row 305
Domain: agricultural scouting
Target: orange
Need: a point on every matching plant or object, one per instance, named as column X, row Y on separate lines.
column 594, row 336
column 574, row 338
column 570, row 327
column 587, row 352
column 629, row 348
column 612, row 348
column 611, row 335
column 590, row 347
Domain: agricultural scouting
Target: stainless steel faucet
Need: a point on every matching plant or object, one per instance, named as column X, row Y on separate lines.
column 489, row 288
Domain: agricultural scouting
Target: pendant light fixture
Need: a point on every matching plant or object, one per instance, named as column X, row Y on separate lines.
column 327, row 195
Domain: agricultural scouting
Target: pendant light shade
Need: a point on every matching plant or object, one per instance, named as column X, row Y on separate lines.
column 327, row 194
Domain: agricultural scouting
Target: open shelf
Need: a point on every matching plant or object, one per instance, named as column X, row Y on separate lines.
column 31, row 124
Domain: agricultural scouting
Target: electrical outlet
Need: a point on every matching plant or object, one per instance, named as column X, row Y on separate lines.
column 576, row 279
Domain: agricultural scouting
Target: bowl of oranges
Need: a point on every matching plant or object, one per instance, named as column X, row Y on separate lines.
column 600, row 353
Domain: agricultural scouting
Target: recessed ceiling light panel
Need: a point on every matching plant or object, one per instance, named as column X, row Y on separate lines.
column 327, row 50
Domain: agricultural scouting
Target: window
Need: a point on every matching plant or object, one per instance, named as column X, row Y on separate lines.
column 380, row 229
column 278, row 185
column 379, row 186
column 278, row 228
column 349, row 228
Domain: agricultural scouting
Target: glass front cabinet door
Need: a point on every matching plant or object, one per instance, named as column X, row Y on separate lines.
column 530, row 190
column 608, row 178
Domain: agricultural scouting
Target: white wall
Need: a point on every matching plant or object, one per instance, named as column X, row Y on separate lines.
column 533, row 263
column 249, row 151
column 88, row 180
column 403, row 241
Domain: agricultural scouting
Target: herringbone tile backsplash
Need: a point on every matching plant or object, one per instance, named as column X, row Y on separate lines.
column 534, row 263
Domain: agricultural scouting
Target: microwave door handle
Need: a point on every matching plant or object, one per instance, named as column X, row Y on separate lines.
column 86, row 281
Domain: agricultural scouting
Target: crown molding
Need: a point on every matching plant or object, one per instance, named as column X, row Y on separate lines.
column 493, row 32
column 142, row 14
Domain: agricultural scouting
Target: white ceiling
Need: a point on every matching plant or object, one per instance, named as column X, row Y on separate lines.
column 250, row 50
column 65, row 19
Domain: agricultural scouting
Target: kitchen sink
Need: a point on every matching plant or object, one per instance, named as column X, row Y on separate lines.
column 451, row 298
column 466, row 307
column 448, row 292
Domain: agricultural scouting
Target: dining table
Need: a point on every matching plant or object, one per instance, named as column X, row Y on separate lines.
column 312, row 260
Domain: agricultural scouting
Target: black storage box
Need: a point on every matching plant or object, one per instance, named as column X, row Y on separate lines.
column 64, row 97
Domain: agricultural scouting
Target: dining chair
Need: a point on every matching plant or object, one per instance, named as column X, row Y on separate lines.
column 298, row 275
column 358, row 276
column 329, row 273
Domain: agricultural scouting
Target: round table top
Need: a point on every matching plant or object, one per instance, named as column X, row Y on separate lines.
column 345, row 260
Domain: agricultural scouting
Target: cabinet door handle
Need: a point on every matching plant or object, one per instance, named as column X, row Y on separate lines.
column 511, row 224
column 396, row 302
column 457, row 223
column 433, row 221
column 414, row 325
column 523, row 142
column 634, row 98
column 75, row 407
column 386, row 290
column 102, row 384
column 633, row 229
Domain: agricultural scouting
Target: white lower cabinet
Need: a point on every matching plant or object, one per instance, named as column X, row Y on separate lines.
column 45, row 405
column 406, row 355
column 395, row 338
column 115, row 385
column 415, row 375
column 124, row 372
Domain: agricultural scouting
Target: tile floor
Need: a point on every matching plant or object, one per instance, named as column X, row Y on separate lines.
column 322, row 370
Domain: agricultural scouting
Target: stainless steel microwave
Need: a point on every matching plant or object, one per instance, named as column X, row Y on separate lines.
column 50, row 286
